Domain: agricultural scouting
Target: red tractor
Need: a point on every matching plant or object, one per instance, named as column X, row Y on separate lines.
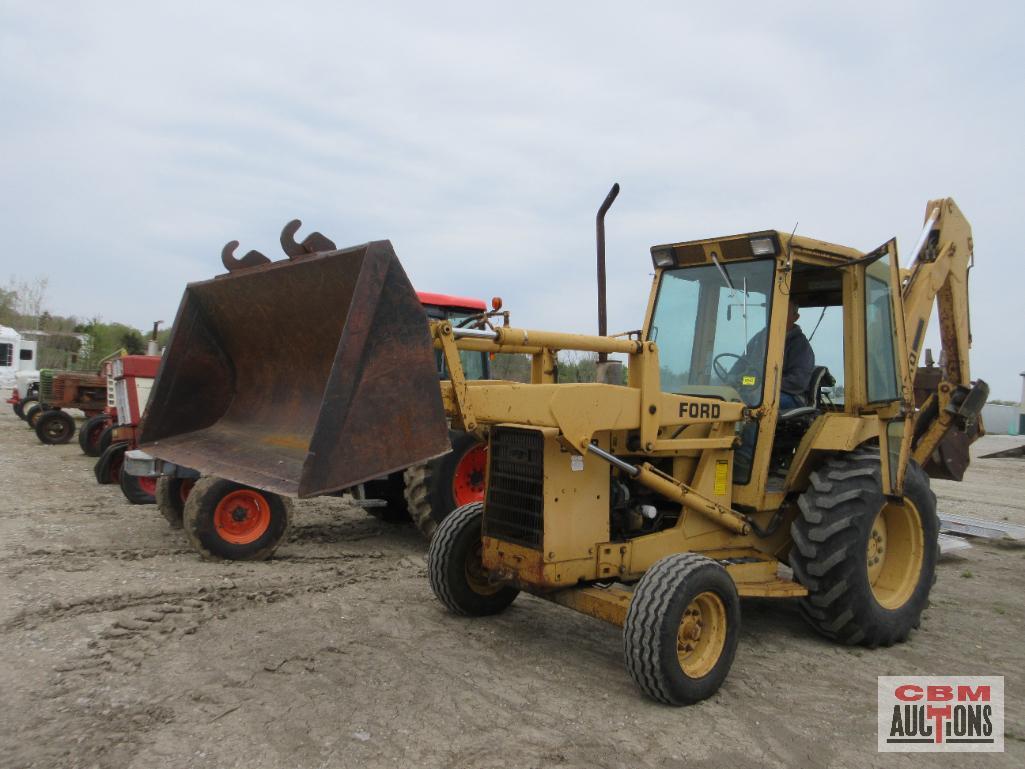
column 133, row 377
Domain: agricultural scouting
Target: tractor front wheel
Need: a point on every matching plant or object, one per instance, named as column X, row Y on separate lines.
column 33, row 413
column 455, row 569
column 138, row 489
column 868, row 561
column 23, row 405
column 682, row 629
column 55, row 427
column 436, row 488
column 226, row 520
column 89, row 435
column 171, row 495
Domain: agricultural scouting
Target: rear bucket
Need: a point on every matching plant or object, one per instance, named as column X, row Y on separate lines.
column 300, row 377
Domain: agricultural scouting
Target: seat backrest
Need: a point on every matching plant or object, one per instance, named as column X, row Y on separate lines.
column 820, row 377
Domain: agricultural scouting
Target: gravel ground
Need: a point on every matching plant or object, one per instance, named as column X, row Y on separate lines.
column 120, row 648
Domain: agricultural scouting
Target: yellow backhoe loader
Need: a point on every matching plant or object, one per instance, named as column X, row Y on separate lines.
column 656, row 505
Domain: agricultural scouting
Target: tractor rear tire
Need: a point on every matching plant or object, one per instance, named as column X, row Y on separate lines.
column 171, row 495
column 55, row 427
column 138, row 489
column 89, row 435
column 226, row 520
column 682, row 629
column 868, row 562
column 436, row 488
column 32, row 414
column 455, row 570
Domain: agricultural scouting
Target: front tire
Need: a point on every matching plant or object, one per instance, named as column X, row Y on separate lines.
column 226, row 520
column 138, row 489
column 455, row 570
column 171, row 495
column 682, row 629
column 436, row 488
column 868, row 562
column 89, row 435
column 23, row 406
column 33, row 413
column 55, row 427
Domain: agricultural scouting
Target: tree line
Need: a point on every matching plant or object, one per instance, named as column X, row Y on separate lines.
column 59, row 337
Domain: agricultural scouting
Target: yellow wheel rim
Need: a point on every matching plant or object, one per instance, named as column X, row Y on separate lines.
column 895, row 552
column 702, row 635
column 476, row 577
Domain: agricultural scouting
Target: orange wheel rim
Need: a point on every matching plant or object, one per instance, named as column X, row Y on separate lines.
column 468, row 482
column 242, row 517
column 147, row 485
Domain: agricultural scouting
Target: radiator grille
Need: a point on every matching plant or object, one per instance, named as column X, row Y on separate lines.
column 45, row 385
column 514, row 507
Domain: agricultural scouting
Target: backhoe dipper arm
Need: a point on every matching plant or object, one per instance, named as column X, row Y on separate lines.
column 940, row 272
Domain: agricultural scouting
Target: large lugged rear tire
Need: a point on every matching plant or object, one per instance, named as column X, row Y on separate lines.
column 436, row 488
column 55, row 427
column 682, row 629
column 89, row 435
column 171, row 495
column 226, row 520
column 868, row 562
column 455, row 570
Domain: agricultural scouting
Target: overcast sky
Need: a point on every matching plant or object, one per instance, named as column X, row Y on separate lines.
column 480, row 138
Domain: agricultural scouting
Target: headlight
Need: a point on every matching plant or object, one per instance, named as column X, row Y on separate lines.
column 762, row 247
column 662, row 257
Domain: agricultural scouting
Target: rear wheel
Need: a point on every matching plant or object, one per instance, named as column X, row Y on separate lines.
column 138, row 489
column 438, row 487
column 224, row 519
column 89, row 435
column 455, row 569
column 171, row 495
column 868, row 562
column 682, row 629
column 55, row 427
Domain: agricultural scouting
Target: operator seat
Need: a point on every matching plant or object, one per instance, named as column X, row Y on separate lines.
column 820, row 379
column 791, row 425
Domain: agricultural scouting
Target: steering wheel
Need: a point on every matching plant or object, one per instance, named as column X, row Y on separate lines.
column 720, row 370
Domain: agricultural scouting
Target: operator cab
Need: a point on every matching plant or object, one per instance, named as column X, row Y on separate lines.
column 718, row 314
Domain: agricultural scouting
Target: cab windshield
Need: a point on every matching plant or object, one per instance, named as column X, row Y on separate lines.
column 475, row 364
column 710, row 327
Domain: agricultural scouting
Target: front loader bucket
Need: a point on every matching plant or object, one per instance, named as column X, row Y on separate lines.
column 300, row 377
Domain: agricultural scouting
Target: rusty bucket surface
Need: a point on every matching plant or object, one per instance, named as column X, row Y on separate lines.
column 300, row 377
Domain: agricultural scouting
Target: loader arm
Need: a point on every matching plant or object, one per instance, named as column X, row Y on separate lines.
column 948, row 402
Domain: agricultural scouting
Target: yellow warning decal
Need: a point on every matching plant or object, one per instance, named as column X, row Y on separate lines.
column 722, row 474
column 748, row 381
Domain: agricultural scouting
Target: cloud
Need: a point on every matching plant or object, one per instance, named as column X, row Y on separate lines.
column 481, row 139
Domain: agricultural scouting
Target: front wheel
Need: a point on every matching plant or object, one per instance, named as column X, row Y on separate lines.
column 33, row 413
column 24, row 405
column 138, row 489
column 224, row 519
column 455, row 569
column 55, row 427
column 682, row 629
column 89, row 435
column 868, row 561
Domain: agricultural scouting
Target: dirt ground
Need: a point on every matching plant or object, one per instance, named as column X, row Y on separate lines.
column 120, row 648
